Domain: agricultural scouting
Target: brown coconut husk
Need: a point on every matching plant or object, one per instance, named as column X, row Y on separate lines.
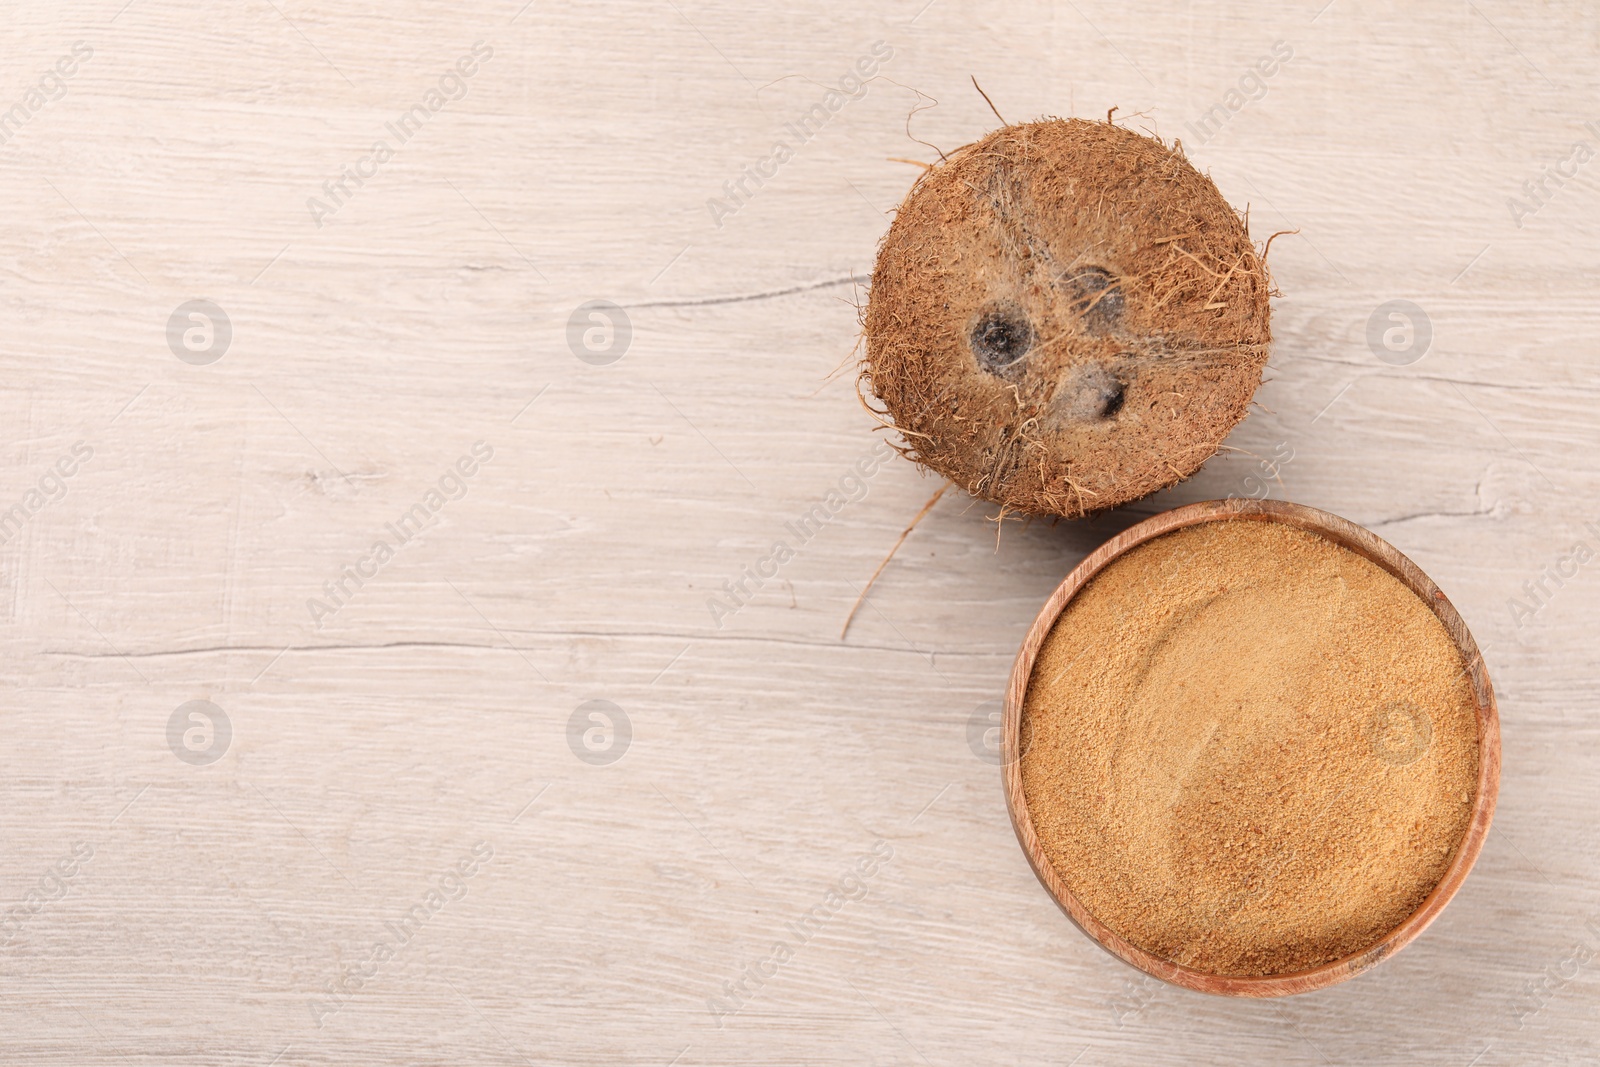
column 1065, row 316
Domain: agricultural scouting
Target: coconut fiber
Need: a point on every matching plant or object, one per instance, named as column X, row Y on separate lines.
column 1248, row 749
column 1065, row 316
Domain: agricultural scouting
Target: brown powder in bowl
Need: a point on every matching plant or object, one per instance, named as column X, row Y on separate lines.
column 1249, row 750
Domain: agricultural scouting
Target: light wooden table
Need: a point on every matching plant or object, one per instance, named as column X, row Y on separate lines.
column 211, row 883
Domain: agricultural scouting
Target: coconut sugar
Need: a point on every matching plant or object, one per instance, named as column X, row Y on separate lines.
column 1249, row 750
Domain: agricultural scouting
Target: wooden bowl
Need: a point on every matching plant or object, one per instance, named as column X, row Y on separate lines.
column 1341, row 532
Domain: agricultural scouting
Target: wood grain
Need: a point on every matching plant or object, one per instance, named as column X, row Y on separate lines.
column 369, row 755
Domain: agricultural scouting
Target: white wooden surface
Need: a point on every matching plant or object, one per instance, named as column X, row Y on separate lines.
column 431, row 712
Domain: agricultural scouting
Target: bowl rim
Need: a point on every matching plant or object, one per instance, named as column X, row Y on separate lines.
column 1367, row 544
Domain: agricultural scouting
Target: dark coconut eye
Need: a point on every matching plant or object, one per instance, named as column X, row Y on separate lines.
column 1112, row 399
column 1001, row 337
column 1090, row 393
column 1096, row 298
